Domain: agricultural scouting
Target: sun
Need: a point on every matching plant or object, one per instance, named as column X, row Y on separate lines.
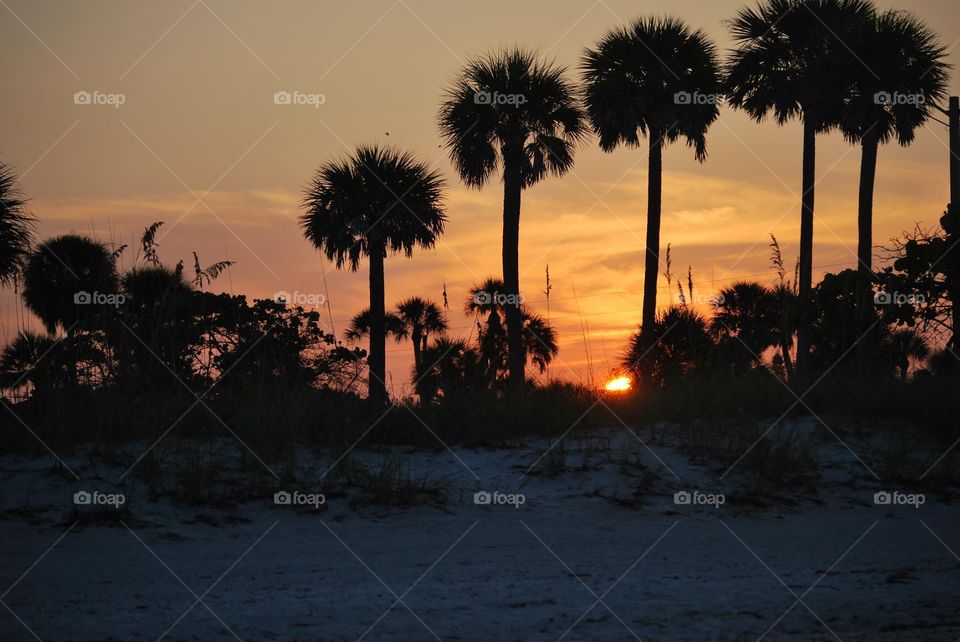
column 620, row 384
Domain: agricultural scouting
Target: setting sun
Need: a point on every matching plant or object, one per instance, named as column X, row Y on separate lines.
column 620, row 384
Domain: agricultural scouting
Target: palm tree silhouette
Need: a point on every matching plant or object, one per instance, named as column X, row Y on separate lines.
column 790, row 60
column 513, row 111
column 538, row 337
column 360, row 326
column 902, row 345
column 654, row 78
column 681, row 346
column 747, row 321
column 378, row 201
column 61, row 278
column 482, row 300
column 890, row 95
column 30, row 359
column 16, row 227
column 452, row 366
column 421, row 319
column 157, row 309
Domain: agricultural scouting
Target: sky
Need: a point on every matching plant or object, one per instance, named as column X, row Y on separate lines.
column 182, row 127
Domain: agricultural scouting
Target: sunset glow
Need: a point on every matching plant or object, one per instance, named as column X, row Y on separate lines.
column 620, row 384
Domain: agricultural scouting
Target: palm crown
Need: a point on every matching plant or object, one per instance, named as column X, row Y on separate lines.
column 790, row 57
column 360, row 326
column 61, row 274
column 16, row 227
column 421, row 317
column 511, row 103
column 377, row 193
column 655, row 77
column 902, row 75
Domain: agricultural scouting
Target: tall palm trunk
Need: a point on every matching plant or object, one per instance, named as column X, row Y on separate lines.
column 868, row 173
column 651, row 269
column 417, row 338
column 512, row 189
column 806, row 248
column 378, row 324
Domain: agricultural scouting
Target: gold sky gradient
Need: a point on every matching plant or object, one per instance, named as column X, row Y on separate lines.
column 199, row 121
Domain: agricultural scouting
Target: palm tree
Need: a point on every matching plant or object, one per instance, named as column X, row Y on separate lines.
column 158, row 310
column 483, row 300
column 902, row 345
column 29, row 359
column 538, row 337
column 790, row 60
column 360, row 326
column 378, row 201
column 514, row 112
column 654, row 78
column 902, row 75
column 64, row 279
column 450, row 366
column 747, row 320
column 421, row 318
column 16, row 227
column 681, row 346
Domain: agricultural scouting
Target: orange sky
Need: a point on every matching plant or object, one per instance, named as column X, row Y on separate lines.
column 199, row 143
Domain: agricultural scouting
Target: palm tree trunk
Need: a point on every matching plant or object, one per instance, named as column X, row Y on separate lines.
column 787, row 360
column 418, row 364
column 512, row 189
column 377, row 361
column 868, row 173
column 651, row 269
column 806, row 249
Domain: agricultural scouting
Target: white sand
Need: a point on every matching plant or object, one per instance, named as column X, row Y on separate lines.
column 662, row 572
